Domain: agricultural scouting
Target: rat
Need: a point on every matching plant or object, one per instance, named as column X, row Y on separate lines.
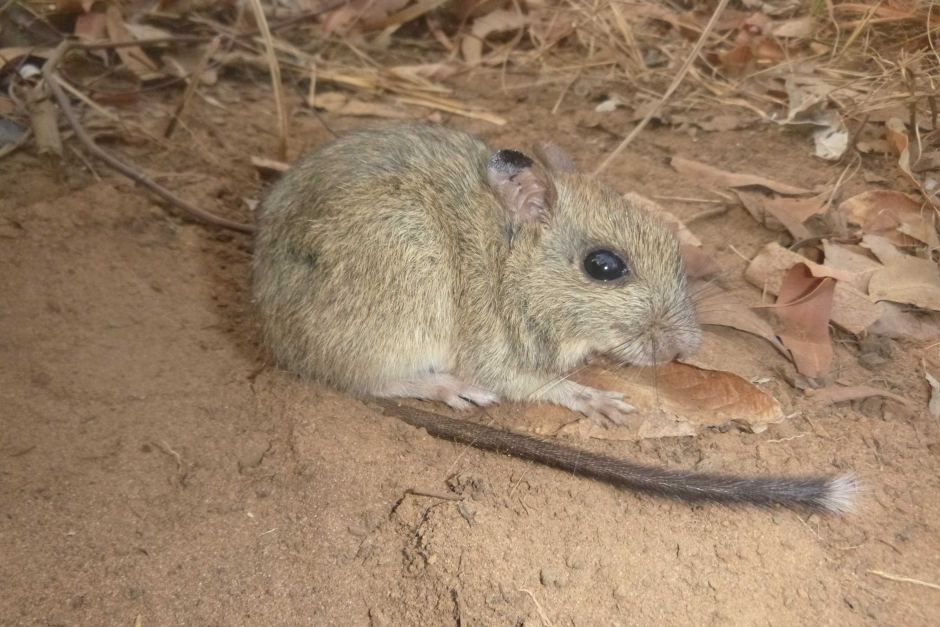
column 413, row 261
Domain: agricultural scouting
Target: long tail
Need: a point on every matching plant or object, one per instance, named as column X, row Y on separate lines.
column 828, row 494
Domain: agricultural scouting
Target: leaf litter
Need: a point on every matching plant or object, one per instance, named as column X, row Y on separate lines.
column 772, row 52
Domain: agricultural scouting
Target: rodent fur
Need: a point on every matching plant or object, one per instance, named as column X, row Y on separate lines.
column 415, row 261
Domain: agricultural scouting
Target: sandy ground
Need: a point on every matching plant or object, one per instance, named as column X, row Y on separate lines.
column 154, row 466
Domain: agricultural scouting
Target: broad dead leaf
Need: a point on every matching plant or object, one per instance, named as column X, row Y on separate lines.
column 698, row 264
column 720, row 308
column 705, row 173
column 804, row 307
column 832, row 395
column 678, row 399
column 365, row 12
column 895, row 322
column 796, row 28
column 788, row 212
column 856, row 263
column 907, row 279
column 900, row 217
column 133, row 57
column 496, row 22
column 91, row 26
column 851, row 309
column 336, row 102
column 882, row 248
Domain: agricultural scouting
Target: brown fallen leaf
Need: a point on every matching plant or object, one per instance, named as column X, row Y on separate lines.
column 851, row 310
column 702, row 172
column 698, row 264
column 832, row 395
column 799, row 209
column 908, row 280
column 133, row 57
column 336, row 102
column 678, row 399
column 804, row 307
column 885, row 212
column 720, row 308
column 91, row 26
column 360, row 12
column 882, row 248
column 893, row 321
column 498, row 21
column 760, row 206
column 796, row 28
column 860, row 266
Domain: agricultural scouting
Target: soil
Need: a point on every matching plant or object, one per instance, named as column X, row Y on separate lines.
column 156, row 469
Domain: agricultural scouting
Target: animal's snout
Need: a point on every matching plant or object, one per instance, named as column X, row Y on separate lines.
column 671, row 343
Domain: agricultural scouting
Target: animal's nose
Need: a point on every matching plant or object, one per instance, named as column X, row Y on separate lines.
column 666, row 353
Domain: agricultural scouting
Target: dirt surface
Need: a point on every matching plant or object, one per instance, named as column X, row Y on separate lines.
column 154, row 467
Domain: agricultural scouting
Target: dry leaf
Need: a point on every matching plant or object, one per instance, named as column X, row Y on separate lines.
column 860, row 266
column 895, row 215
column 91, row 26
column 830, row 396
column 852, row 310
column 336, row 102
column 698, row 264
column 720, row 308
column 496, row 22
column 134, row 58
column 882, row 248
column 799, row 209
column 893, row 321
column 907, row 279
column 804, row 307
column 796, row 28
column 682, row 400
column 708, row 174
column 782, row 210
column 360, row 11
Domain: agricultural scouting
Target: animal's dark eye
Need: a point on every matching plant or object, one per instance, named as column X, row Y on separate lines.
column 603, row 265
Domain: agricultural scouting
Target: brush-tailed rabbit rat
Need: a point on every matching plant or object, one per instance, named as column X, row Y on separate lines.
column 414, row 261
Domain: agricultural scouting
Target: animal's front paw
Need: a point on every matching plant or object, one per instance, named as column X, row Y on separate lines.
column 600, row 406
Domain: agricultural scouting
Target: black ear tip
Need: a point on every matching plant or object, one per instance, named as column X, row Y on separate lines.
column 510, row 160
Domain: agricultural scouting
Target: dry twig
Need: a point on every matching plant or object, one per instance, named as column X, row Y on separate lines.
column 54, row 81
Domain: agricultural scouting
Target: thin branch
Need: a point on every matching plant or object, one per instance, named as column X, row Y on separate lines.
column 54, row 80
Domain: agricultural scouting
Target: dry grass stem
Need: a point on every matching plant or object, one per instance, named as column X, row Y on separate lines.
column 275, row 70
column 696, row 50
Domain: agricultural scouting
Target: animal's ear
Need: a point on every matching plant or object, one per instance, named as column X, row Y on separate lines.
column 522, row 185
column 555, row 157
